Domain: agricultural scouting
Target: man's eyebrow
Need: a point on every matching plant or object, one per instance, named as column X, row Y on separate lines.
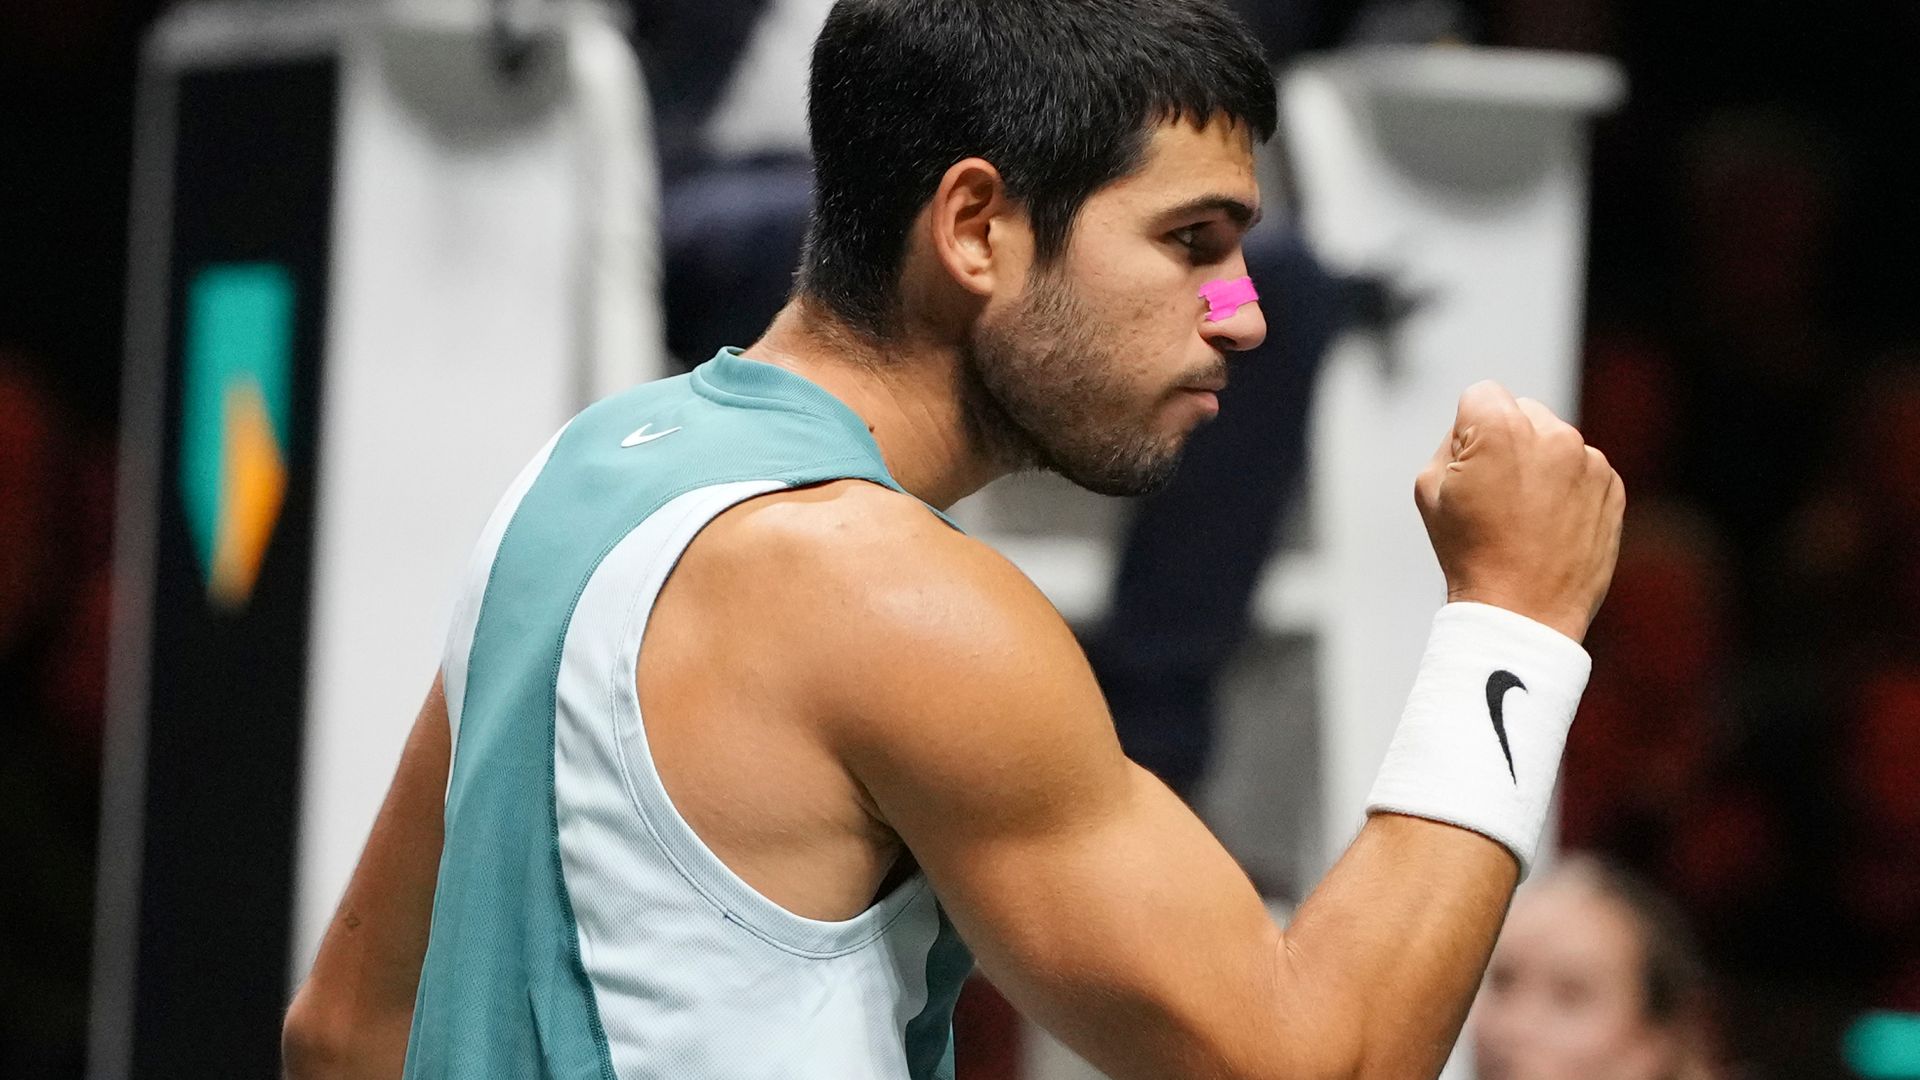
column 1241, row 212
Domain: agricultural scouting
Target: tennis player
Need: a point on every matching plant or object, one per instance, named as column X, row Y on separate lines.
column 741, row 753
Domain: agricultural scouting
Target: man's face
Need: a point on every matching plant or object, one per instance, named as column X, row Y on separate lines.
column 1106, row 362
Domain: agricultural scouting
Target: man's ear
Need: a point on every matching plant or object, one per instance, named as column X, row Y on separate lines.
column 979, row 235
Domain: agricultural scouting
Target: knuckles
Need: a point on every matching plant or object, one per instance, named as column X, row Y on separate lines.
column 1563, row 439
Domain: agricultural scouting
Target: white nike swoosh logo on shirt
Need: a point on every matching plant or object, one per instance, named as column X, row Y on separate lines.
column 641, row 436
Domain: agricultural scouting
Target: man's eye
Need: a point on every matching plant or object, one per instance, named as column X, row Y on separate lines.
column 1204, row 245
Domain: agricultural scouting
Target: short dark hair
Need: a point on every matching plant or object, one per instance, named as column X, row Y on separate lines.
column 1060, row 95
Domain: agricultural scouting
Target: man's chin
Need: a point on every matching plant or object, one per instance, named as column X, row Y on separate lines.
column 1131, row 480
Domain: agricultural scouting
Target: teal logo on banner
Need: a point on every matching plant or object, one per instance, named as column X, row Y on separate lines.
column 234, row 413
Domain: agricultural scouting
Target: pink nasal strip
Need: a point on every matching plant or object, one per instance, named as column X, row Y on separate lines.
column 1227, row 296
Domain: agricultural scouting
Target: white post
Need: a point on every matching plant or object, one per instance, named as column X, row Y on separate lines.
column 487, row 246
column 409, row 264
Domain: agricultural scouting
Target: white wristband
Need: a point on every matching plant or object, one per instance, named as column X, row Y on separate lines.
column 1479, row 746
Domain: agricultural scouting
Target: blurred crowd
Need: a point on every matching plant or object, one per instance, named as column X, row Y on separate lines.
column 1751, row 738
column 1595, row 977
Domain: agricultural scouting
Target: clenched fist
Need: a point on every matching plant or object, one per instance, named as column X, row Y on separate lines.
column 1523, row 514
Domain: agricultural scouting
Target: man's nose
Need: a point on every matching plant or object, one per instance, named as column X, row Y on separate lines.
column 1244, row 329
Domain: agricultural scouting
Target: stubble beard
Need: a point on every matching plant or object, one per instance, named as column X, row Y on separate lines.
column 1041, row 393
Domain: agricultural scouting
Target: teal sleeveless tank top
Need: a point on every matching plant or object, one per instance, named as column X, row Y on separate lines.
column 581, row 930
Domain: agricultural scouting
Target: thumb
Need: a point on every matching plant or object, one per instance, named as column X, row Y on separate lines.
column 1486, row 409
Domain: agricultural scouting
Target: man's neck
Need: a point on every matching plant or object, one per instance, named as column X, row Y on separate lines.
column 908, row 393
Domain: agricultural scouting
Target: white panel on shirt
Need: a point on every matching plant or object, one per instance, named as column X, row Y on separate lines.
column 694, row 973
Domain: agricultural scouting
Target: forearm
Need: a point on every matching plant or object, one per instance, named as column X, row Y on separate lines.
column 351, row 1017
column 1400, row 932
column 368, row 968
column 1391, row 946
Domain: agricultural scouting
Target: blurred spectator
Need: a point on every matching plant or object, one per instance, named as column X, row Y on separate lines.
column 1856, row 538
column 1770, row 586
column 56, row 524
column 1879, row 881
column 54, row 540
column 1656, row 707
column 1595, row 977
column 1630, row 409
column 27, row 461
column 1882, row 759
column 1758, row 329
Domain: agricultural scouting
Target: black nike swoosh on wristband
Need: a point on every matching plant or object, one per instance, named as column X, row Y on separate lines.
column 1498, row 684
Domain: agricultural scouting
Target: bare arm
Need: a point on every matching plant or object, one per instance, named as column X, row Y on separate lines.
column 1103, row 907
column 1089, row 892
column 351, row 1017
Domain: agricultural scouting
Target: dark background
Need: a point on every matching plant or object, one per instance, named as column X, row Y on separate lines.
column 1751, row 739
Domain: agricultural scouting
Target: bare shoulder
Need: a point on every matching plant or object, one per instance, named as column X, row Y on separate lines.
column 826, row 519
column 889, row 617
column 854, row 547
